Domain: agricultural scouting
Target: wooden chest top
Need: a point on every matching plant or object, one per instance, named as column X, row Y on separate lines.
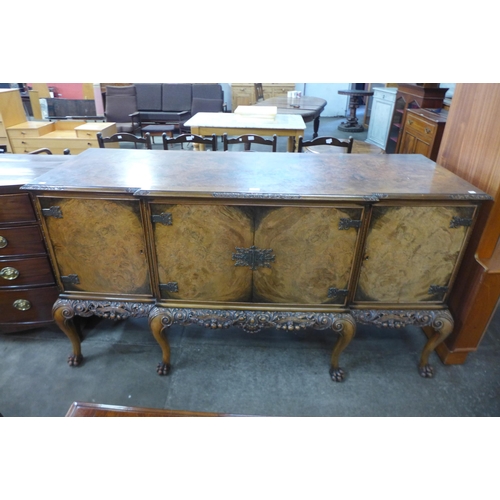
column 256, row 174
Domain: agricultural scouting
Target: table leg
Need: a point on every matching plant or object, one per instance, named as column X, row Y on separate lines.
column 316, row 127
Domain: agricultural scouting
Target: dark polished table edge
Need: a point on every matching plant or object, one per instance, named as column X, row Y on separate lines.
column 284, row 107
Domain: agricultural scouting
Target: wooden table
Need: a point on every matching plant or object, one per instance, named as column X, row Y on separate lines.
column 78, row 409
column 308, row 107
column 352, row 125
column 358, row 147
column 283, row 125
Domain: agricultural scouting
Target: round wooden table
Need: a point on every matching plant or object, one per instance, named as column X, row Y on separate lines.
column 308, row 107
column 352, row 125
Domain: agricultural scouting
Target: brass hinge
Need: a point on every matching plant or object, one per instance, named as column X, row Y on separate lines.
column 52, row 212
column 345, row 223
column 71, row 279
column 164, row 218
column 434, row 289
column 334, row 293
column 460, row 221
column 171, row 286
column 253, row 257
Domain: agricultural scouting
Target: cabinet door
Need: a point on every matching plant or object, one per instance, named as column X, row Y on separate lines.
column 313, row 251
column 380, row 120
column 411, row 253
column 98, row 244
column 194, row 251
column 412, row 144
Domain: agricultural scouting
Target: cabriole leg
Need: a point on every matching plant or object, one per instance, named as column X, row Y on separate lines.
column 64, row 314
column 443, row 324
column 159, row 322
column 345, row 327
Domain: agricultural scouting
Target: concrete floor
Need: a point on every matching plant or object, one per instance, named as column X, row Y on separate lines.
column 270, row 373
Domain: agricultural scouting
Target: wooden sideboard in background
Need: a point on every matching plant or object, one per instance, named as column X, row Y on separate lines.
column 471, row 149
column 243, row 94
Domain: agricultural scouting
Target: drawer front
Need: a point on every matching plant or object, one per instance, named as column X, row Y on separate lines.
column 3, row 132
column 277, row 89
column 21, row 241
column 421, row 128
column 56, row 146
column 28, row 305
column 25, row 272
column 16, row 208
column 19, row 133
column 89, row 132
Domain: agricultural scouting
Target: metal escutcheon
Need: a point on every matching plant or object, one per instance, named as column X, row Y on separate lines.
column 22, row 304
column 9, row 273
column 3, row 242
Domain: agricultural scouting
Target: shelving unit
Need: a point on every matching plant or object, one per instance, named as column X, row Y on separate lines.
column 412, row 96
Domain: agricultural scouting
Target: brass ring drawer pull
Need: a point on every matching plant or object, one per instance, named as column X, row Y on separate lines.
column 3, row 242
column 22, row 304
column 9, row 273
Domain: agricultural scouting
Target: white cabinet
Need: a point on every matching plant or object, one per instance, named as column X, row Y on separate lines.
column 381, row 115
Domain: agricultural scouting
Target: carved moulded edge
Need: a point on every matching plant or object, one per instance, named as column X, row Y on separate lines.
column 401, row 318
column 270, row 196
column 251, row 321
column 103, row 308
column 471, row 196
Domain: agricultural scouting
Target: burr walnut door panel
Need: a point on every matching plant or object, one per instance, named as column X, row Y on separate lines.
column 313, row 251
column 99, row 244
column 411, row 253
column 194, row 248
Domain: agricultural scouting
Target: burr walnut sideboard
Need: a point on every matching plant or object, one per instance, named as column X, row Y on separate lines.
column 285, row 241
column 28, row 288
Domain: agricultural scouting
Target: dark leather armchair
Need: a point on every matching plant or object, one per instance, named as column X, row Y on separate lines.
column 121, row 108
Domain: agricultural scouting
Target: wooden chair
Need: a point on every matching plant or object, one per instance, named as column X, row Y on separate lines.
column 259, row 92
column 125, row 137
column 327, row 141
column 249, row 139
column 47, row 151
column 189, row 138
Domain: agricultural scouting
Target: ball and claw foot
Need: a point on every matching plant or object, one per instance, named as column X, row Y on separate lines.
column 337, row 374
column 426, row 371
column 163, row 369
column 75, row 359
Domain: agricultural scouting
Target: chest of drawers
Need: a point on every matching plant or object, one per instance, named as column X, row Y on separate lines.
column 243, row 94
column 422, row 132
column 77, row 135
column 27, row 285
column 284, row 241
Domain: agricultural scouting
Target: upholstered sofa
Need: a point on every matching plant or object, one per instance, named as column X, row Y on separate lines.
column 175, row 103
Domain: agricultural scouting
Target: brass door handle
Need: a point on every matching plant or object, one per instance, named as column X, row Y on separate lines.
column 427, row 130
column 22, row 304
column 3, row 242
column 410, row 122
column 9, row 273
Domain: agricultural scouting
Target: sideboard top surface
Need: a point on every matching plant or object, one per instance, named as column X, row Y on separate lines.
column 183, row 173
column 16, row 170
